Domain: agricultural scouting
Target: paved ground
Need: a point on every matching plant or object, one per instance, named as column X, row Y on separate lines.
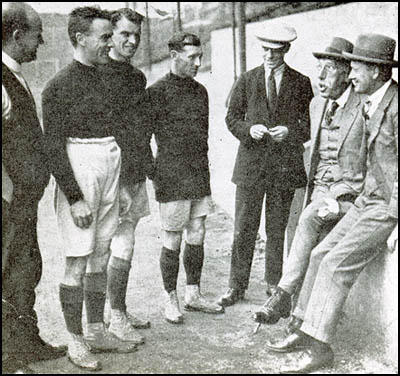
column 205, row 343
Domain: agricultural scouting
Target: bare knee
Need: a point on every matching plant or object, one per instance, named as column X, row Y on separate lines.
column 98, row 260
column 172, row 239
column 75, row 268
column 196, row 230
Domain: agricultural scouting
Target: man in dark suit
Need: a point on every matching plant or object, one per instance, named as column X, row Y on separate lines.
column 25, row 164
column 336, row 174
column 359, row 236
column 268, row 113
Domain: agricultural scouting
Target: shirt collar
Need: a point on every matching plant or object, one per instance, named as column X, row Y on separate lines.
column 342, row 100
column 10, row 62
column 376, row 98
column 277, row 71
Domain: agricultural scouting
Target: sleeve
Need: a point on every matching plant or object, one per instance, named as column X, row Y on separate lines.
column 237, row 109
column 394, row 199
column 55, row 113
column 301, row 132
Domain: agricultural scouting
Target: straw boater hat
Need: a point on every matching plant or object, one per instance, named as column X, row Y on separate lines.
column 335, row 50
column 277, row 36
column 375, row 49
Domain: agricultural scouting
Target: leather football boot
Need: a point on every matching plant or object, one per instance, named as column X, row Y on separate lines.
column 277, row 306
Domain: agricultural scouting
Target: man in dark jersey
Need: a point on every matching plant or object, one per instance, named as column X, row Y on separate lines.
column 84, row 158
column 128, row 85
column 179, row 108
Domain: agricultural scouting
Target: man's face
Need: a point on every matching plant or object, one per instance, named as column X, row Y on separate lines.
column 126, row 38
column 362, row 76
column 332, row 78
column 188, row 61
column 98, row 41
column 30, row 40
column 273, row 57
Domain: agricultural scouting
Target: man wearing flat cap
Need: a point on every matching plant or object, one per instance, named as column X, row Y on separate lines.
column 336, row 175
column 360, row 235
column 268, row 113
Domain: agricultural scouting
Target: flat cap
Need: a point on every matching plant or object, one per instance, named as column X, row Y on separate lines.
column 276, row 36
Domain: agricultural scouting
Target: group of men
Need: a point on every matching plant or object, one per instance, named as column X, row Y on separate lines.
column 98, row 119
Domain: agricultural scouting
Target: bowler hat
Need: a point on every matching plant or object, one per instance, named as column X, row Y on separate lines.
column 277, row 36
column 335, row 49
column 373, row 48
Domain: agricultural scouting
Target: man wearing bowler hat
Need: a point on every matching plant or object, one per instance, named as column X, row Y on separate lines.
column 268, row 113
column 336, row 175
column 358, row 238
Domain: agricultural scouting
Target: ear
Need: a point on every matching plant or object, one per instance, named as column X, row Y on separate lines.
column 81, row 38
column 17, row 35
column 376, row 72
column 173, row 54
column 286, row 48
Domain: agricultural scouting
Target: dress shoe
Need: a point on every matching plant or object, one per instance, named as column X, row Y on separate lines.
column 15, row 366
column 293, row 325
column 311, row 360
column 291, row 343
column 38, row 350
column 231, row 297
column 277, row 306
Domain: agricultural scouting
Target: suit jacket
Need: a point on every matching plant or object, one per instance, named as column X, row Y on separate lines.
column 265, row 160
column 383, row 147
column 23, row 148
column 351, row 147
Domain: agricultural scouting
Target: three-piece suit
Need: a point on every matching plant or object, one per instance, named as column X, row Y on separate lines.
column 359, row 237
column 348, row 163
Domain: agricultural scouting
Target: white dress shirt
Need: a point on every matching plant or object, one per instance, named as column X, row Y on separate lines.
column 278, row 73
column 377, row 97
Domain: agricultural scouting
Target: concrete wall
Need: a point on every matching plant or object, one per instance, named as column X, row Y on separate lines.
column 373, row 300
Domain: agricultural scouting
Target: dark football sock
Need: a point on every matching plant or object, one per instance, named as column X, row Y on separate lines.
column 193, row 258
column 95, row 285
column 71, row 298
column 117, row 282
column 169, row 265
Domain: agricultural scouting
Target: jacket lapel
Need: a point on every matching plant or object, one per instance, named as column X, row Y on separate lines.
column 261, row 95
column 347, row 117
column 376, row 120
column 284, row 88
column 316, row 121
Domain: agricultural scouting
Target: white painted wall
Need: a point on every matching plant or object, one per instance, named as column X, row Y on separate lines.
column 314, row 29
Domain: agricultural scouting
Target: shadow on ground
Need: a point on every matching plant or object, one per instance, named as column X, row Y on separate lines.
column 205, row 343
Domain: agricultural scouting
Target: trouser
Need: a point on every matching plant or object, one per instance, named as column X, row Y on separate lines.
column 248, row 207
column 336, row 263
column 310, row 230
column 22, row 273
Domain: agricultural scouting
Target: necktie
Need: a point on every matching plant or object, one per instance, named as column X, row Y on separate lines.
column 331, row 112
column 365, row 109
column 272, row 96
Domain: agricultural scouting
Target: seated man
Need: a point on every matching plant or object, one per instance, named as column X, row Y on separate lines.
column 359, row 236
column 338, row 153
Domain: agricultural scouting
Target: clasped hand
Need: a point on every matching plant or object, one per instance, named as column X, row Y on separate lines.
column 277, row 133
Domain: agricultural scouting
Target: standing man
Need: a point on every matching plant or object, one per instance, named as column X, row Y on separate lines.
column 268, row 113
column 358, row 238
column 24, row 168
column 84, row 157
column 179, row 106
column 336, row 176
column 129, row 88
